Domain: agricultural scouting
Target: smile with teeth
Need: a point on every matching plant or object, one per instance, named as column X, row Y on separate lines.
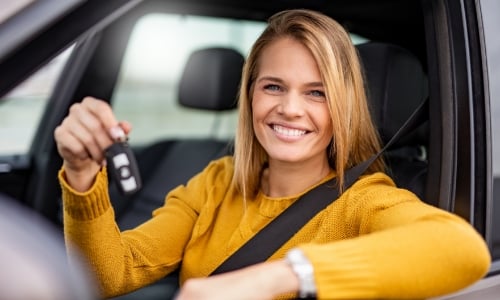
column 288, row 131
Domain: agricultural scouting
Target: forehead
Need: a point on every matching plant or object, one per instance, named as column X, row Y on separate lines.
column 287, row 57
column 284, row 47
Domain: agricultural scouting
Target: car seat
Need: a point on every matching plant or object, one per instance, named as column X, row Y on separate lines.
column 210, row 81
column 396, row 85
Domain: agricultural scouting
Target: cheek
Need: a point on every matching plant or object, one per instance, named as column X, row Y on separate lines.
column 258, row 105
column 323, row 118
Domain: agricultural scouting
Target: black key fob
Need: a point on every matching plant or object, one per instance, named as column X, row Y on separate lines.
column 122, row 167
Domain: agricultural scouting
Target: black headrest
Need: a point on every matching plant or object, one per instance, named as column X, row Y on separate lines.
column 396, row 84
column 211, row 79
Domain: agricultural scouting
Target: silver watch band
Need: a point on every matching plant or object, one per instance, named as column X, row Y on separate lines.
column 304, row 270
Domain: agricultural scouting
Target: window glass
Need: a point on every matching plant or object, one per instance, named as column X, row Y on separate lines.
column 22, row 108
column 146, row 94
column 491, row 23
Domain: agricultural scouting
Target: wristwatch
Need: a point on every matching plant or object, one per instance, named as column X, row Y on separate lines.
column 304, row 271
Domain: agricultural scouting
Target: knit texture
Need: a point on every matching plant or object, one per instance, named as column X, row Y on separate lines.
column 375, row 241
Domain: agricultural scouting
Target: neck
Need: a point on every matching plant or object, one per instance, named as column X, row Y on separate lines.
column 287, row 179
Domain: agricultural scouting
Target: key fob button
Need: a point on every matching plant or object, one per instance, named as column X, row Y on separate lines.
column 120, row 160
column 125, row 172
column 129, row 184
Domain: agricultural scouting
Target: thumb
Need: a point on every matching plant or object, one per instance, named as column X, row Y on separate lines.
column 120, row 131
column 126, row 126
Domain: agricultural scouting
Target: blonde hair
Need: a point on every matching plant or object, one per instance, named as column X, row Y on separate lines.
column 354, row 139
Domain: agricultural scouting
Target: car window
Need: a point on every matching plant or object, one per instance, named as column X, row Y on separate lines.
column 22, row 108
column 491, row 23
column 146, row 92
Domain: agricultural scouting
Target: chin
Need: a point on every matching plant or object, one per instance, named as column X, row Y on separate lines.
column 288, row 158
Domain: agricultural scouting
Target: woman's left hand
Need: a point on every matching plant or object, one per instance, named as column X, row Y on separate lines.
column 261, row 281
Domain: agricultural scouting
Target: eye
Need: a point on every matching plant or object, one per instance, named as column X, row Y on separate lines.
column 317, row 94
column 272, row 87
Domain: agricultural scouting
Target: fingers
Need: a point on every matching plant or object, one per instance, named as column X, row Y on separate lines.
column 84, row 141
column 89, row 129
column 101, row 110
column 69, row 146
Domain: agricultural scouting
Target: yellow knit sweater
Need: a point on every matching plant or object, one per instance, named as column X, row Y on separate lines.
column 375, row 241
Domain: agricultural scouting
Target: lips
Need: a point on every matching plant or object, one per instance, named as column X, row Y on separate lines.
column 286, row 131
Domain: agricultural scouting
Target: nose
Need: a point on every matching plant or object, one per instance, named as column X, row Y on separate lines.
column 291, row 105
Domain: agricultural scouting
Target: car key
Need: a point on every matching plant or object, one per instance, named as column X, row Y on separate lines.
column 122, row 166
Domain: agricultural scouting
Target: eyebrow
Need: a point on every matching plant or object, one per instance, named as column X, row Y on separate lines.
column 279, row 80
column 270, row 78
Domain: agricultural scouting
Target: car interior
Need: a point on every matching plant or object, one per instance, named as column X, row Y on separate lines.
column 396, row 84
column 107, row 45
column 210, row 81
column 402, row 49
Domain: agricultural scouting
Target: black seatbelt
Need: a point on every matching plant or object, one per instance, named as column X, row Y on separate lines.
column 291, row 220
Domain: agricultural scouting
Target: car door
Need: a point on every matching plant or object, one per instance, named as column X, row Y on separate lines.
column 465, row 57
column 488, row 12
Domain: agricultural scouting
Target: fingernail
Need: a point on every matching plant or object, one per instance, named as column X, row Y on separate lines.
column 117, row 133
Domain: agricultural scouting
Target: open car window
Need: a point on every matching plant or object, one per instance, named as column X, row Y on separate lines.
column 154, row 60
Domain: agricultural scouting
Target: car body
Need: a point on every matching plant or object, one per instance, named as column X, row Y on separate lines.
column 130, row 52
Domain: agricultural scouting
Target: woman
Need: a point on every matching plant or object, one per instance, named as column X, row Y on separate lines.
column 303, row 120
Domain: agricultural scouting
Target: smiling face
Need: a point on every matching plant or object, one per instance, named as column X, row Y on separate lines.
column 290, row 113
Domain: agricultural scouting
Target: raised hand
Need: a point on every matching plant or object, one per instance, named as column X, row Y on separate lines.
column 82, row 138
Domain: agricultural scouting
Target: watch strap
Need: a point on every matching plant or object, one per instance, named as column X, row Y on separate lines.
column 304, row 270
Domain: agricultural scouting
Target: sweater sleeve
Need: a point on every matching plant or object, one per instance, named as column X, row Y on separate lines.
column 405, row 249
column 125, row 261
